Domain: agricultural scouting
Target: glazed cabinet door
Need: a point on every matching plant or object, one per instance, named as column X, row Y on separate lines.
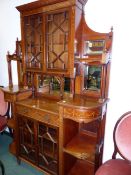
column 48, row 148
column 58, row 38
column 48, row 42
column 27, row 139
column 33, row 42
column 38, row 144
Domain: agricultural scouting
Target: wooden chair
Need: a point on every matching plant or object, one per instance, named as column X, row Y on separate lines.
column 17, row 56
column 122, row 145
column 4, row 115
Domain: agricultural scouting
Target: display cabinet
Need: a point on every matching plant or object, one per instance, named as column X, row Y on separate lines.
column 38, row 131
column 44, row 152
column 48, row 32
column 66, row 65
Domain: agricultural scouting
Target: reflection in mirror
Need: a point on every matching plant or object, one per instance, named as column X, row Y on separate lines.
column 93, row 47
column 76, row 49
column 29, row 78
column 67, row 84
column 53, row 83
column 44, row 83
column 92, row 77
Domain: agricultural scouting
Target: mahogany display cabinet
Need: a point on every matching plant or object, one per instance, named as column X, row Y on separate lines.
column 64, row 69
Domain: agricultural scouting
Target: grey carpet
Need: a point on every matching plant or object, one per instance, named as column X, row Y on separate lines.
column 10, row 162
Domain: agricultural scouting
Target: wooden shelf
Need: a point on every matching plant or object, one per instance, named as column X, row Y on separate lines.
column 82, row 146
column 82, row 168
column 11, row 123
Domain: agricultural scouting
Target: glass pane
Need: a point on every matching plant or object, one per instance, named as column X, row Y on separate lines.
column 33, row 41
column 92, row 77
column 57, row 40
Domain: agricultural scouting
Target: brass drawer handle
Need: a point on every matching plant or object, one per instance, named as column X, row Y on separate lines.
column 24, row 111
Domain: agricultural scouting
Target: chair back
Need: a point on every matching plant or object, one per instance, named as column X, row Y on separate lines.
column 3, row 104
column 122, row 136
column 17, row 57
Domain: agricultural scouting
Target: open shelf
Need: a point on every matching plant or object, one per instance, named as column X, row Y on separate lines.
column 82, row 168
column 82, row 146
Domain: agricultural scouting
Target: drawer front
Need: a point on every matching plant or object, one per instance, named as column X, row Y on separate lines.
column 36, row 114
column 9, row 97
column 81, row 115
column 23, row 95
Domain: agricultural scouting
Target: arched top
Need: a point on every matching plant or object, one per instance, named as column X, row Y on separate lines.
column 90, row 31
column 93, row 43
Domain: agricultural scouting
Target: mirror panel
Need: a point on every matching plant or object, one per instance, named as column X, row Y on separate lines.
column 53, row 83
column 92, row 77
column 94, row 47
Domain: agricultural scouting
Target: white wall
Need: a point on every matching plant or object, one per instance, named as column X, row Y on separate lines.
column 9, row 31
column 100, row 16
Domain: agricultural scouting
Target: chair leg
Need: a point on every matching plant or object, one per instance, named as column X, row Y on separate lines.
column 2, row 167
column 11, row 132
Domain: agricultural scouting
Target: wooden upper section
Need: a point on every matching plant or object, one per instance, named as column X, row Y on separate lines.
column 43, row 3
column 57, row 42
column 87, row 34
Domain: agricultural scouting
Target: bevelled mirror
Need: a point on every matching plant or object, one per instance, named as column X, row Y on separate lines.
column 53, row 84
column 94, row 47
column 92, row 77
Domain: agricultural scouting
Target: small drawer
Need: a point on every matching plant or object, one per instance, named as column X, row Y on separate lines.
column 9, row 97
column 81, row 115
column 39, row 115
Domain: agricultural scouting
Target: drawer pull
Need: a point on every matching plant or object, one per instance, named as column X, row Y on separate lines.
column 47, row 118
column 24, row 111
